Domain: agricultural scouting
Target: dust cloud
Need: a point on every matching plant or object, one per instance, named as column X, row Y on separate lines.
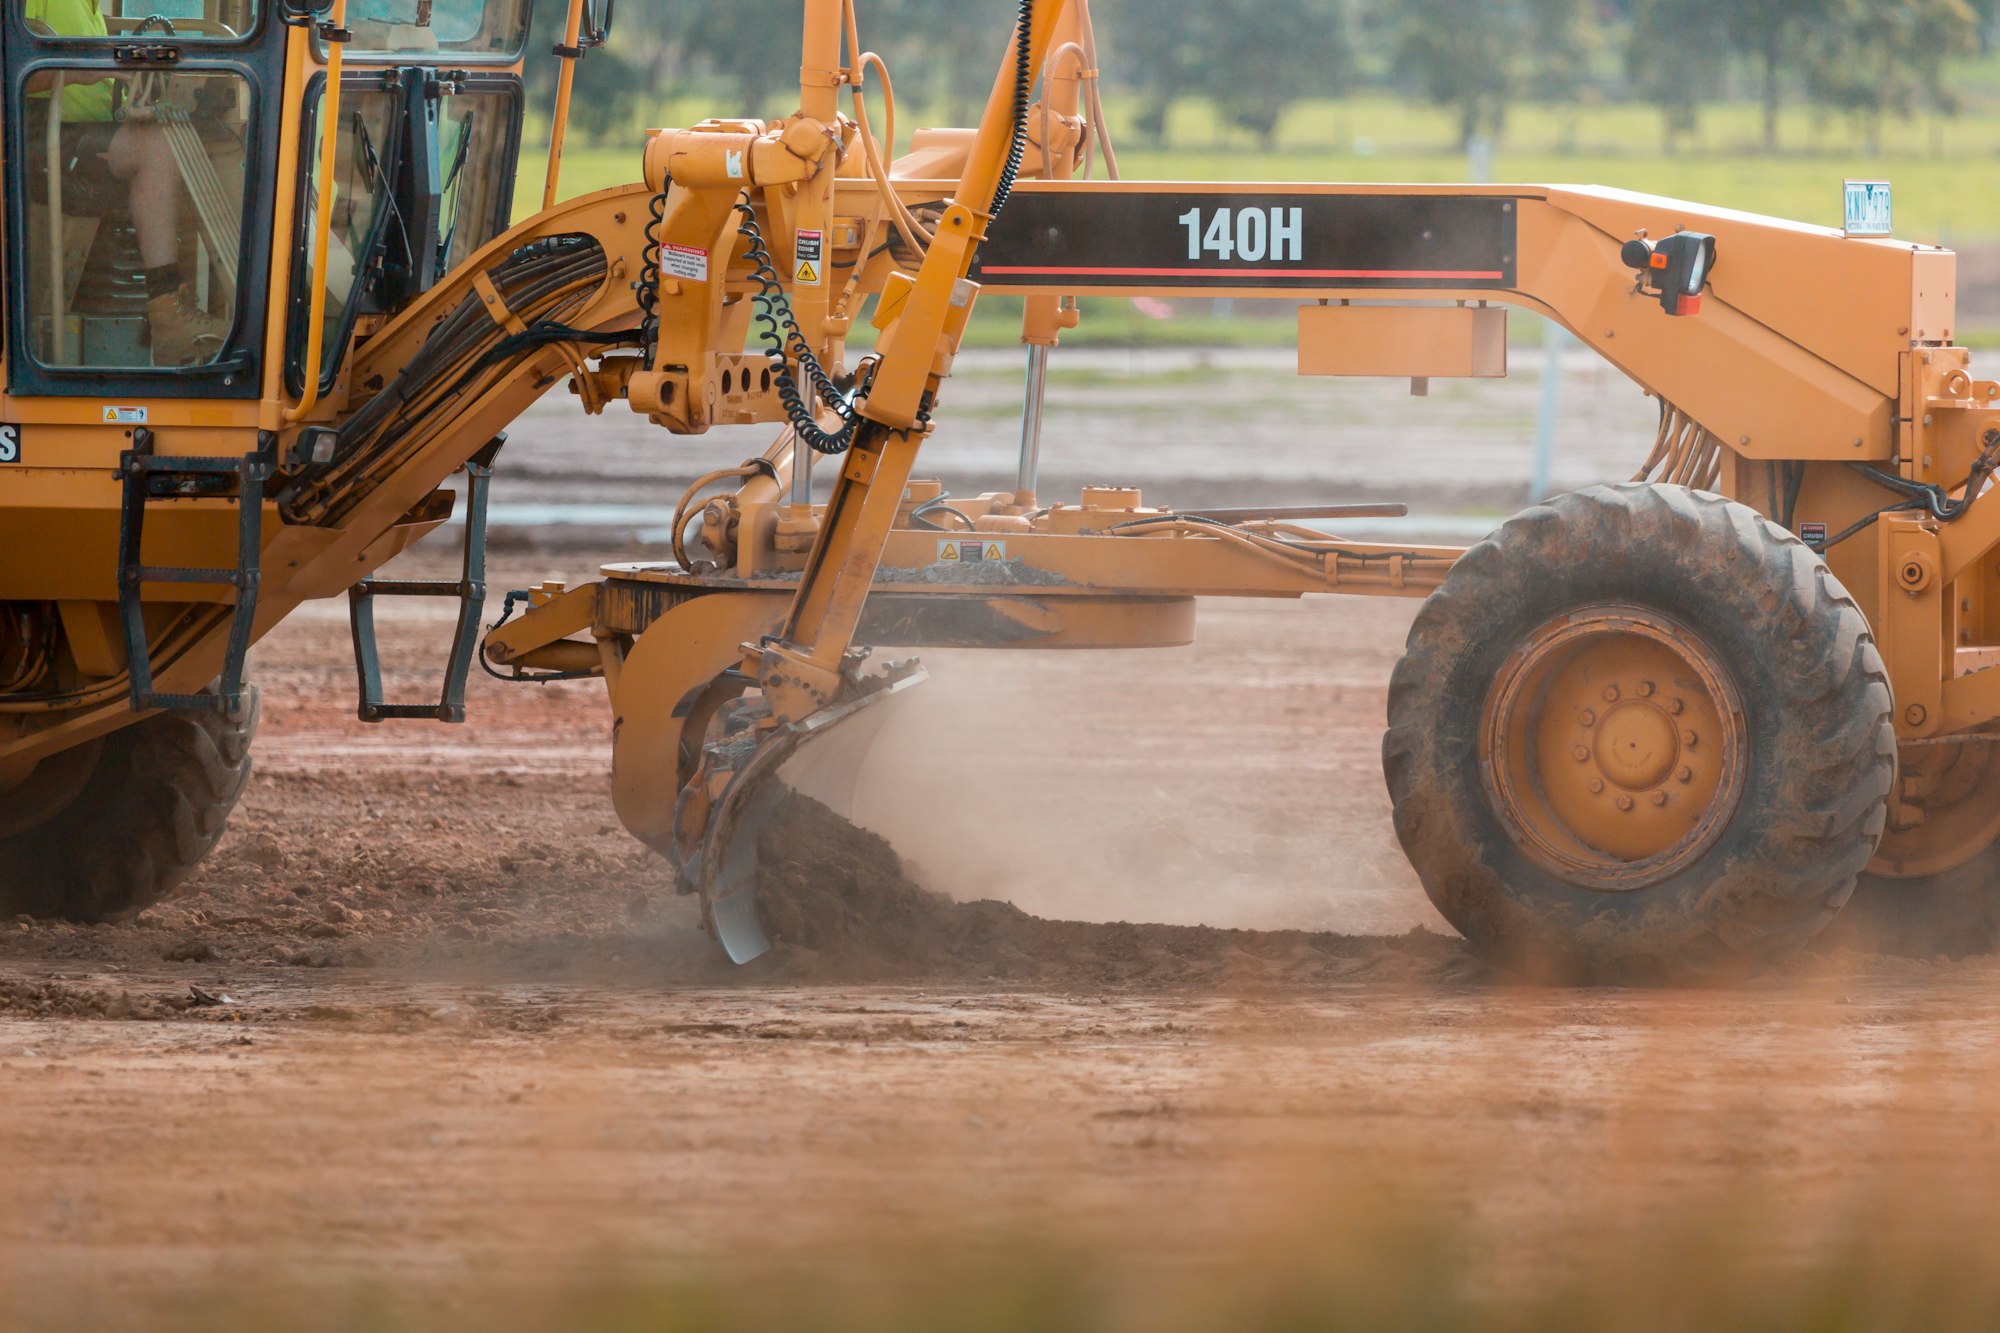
column 1231, row 785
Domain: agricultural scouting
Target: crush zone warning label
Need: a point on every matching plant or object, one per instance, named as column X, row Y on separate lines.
column 810, row 270
column 960, row 551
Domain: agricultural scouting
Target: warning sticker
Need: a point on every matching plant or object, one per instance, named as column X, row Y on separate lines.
column 1813, row 535
column 811, row 267
column 959, row 551
column 124, row 416
column 684, row 261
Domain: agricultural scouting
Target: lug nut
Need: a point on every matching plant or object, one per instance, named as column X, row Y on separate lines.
column 1686, row 775
column 1582, row 754
column 1625, row 803
column 1675, row 706
column 1645, row 689
column 1659, row 798
column 1690, row 739
column 1597, row 786
column 1588, row 718
column 1611, row 694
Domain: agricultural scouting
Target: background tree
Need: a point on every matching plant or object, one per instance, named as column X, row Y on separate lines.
column 956, row 48
column 1669, row 68
column 1878, row 58
column 1563, row 41
column 1154, row 49
column 1773, row 35
column 1461, row 54
column 1255, row 64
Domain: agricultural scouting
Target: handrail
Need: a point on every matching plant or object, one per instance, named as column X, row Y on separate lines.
column 329, row 148
column 572, row 31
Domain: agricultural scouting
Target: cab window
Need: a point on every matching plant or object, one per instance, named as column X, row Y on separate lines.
column 421, row 178
column 121, row 20
column 135, row 202
column 456, row 30
column 477, row 149
column 364, row 166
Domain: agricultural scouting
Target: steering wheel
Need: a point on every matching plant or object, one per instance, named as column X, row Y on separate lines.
column 198, row 28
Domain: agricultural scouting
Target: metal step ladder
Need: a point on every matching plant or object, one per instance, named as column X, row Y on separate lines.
column 150, row 478
column 469, row 589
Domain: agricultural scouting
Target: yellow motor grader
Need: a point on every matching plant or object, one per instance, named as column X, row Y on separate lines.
column 263, row 301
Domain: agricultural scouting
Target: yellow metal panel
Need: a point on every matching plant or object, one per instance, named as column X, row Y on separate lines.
column 95, row 639
column 1933, row 295
column 1417, row 342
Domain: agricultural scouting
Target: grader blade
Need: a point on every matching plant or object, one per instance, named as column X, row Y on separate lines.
column 796, row 756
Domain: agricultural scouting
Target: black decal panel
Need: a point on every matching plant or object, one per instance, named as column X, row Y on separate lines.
column 1080, row 237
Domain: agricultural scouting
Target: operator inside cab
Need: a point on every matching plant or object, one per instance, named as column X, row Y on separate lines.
column 140, row 191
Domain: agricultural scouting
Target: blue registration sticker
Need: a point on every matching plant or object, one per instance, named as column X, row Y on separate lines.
column 1870, row 209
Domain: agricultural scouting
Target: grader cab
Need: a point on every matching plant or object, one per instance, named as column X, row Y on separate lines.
column 262, row 302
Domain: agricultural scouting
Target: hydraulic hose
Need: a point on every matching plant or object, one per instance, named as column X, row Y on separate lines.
column 648, row 288
column 785, row 344
column 1934, row 500
column 544, row 283
column 1024, row 96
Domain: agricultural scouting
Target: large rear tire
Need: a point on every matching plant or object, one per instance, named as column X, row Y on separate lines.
column 148, row 803
column 1934, row 886
column 1639, row 735
column 1952, row 914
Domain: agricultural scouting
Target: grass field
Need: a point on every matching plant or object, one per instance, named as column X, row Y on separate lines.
column 1946, row 173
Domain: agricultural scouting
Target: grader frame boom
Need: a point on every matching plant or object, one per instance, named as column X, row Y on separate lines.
column 1644, row 730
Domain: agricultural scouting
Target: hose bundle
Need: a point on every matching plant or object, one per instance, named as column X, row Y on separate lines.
column 1684, row 453
column 1923, row 497
column 544, row 283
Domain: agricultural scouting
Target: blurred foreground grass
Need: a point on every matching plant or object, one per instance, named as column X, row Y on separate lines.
column 1367, row 1260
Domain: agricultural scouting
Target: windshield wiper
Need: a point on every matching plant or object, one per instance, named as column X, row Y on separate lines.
column 450, row 184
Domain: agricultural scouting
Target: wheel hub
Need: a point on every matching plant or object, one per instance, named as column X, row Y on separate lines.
column 1637, row 746
column 1614, row 749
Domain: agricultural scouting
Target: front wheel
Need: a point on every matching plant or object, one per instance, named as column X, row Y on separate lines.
column 104, row 831
column 1640, row 734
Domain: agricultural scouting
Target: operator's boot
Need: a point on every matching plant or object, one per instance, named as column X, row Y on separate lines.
column 183, row 335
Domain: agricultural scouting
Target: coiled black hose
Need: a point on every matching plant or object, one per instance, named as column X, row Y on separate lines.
column 1024, row 94
column 648, row 292
column 784, row 344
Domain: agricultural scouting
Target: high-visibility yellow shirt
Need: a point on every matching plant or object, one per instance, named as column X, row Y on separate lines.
column 92, row 101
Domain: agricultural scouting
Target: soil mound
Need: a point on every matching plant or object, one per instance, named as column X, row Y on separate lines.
column 57, row 997
column 840, row 906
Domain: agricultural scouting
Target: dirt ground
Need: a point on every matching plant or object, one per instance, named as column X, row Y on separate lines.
column 431, row 1042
